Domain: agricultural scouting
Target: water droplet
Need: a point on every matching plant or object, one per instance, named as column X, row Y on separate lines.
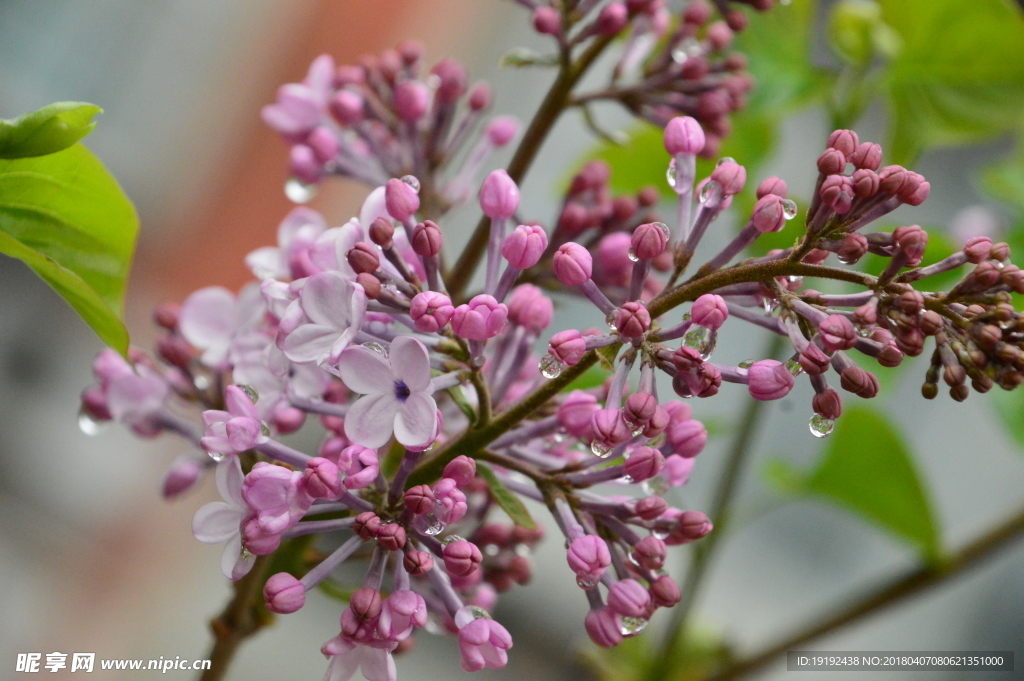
column 412, row 181
column 610, row 320
column 632, row 560
column 600, row 449
column 660, row 533
column 746, row 364
column 479, row 613
column 632, row 255
column 631, row 626
column 769, row 304
column 246, row 555
column 431, row 523
column 201, row 382
column 550, row 367
column 710, row 188
column 585, row 583
column 670, row 174
column 702, row 340
column 846, row 260
column 433, row 81
column 821, row 426
column 795, row 279
column 789, row 209
column 794, row 367
column 265, row 429
column 376, row 347
column 216, row 456
column 297, row 192
column 664, row 229
column 451, row 539
column 491, row 550
column 250, row 392
column 89, row 425
column 559, row 436
column 655, row 486
column 636, row 429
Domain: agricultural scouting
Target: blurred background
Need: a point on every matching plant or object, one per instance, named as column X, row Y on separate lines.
column 93, row 560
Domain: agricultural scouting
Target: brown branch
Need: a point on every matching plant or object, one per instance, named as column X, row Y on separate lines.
column 242, row 617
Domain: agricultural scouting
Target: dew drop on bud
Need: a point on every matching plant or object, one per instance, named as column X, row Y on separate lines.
column 430, row 523
column 630, row 626
column 610, row 320
column 746, row 364
column 412, row 181
column 216, row 456
column 550, row 367
column 664, row 229
column 670, row 174
column 632, row 255
column 821, row 426
column 789, row 209
column 600, row 449
column 710, row 188
column 376, row 347
column 701, row 340
column 265, row 429
column 585, row 583
column 246, row 555
column 660, row 533
column 297, row 192
column 451, row 539
column 794, row 367
column 201, row 382
column 655, row 486
column 724, row 160
column 250, row 392
column 479, row 613
column 89, row 425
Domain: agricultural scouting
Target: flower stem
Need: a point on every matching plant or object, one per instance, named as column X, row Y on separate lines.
column 241, row 619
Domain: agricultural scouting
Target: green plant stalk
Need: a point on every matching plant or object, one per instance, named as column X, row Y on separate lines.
column 720, row 513
column 240, row 620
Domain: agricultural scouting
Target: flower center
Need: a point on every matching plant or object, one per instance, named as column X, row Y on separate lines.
column 402, row 391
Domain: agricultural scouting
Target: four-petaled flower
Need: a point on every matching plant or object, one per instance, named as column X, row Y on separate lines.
column 219, row 522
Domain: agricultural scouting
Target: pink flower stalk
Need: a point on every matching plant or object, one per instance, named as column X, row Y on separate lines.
column 482, row 318
column 219, row 522
column 235, row 430
column 396, row 394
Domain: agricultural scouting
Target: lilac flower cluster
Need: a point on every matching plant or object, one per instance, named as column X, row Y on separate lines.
column 436, row 416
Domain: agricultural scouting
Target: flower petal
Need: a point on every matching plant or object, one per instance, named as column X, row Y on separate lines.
column 365, row 371
column 378, row 665
column 410, row 363
column 310, row 343
column 371, row 419
column 416, row 420
column 267, row 263
column 325, row 299
column 373, row 207
column 229, row 479
column 216, row 522
column 208, row 317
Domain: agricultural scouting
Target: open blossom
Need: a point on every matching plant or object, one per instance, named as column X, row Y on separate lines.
column 396, row 394
column 212, row 317
column 219, row 522
column 335, row 308
column 347, row 657
column 235, row 430
column 482, row 641
column 290, row 258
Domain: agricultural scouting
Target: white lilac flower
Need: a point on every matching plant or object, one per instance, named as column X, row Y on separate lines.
column 334, row 309
column 219, row 522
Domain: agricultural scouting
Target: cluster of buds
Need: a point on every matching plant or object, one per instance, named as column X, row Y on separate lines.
column 434, row 411
column 384, row 118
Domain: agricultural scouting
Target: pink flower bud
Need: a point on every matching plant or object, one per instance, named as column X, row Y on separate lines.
column 686, row 359
column 401, row 200
column 831, row 162
column 284, row 594
column 612, row 19
column 501, row 130
column 614, row 263
column 547, row 20
column 609, row 427
column 628, row 598
column 366, row 525
column 363, row 258
column 649, row 553
column 461, row 469
column 452, row 77
column 575, row 414
column 658, row 423
column 867, row 156
column 302, row 164
column 837, row 333
column 719, row 35
column 640, row 408
column 813, row 360
column 648, row 241
column 603, row 627
column 573, row 219
column 650, row 508
column 524, row 246
column 892, row 178
column 382, row 232
column 731, row 176
column 418, row 563
column 769, row 214
column 865, row 183
column 911, row 241
column 844, row 140
column 568, row 347
column 365, row 604
column 687, row 438
column 572, row 264
column 697, row 12
column 391, row 537
column 837, row 193
column 589, row 557
column 665, row 592
column 859, row 382
column 683, row 135
column 482, row 318
column 644, row 463
column 677, row 470
column 257, row 540
column 426, row 239
column 709, row 311
column 181, row 477
column 772, row 185
column 632, row 320
column 461, row 557
column 828, row 404
column 347, row 107
column 499, row 195
column 323, row 143
column 321, row 479
column 918, row 196
column 910, row 185
column 419, row 499
column 769, row 380
column 288, row 419
column 690, row 526
column 431, row 311
column 530, row 308
column 978, row 249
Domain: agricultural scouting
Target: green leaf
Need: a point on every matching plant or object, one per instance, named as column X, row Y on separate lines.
column 459, row 398
column 508, row 501
column 868, row 469
column 66, row 217
column 523, row 56
column 591, row 378
column 46, row 131
column 1010, row 407
column 959, row 77
column 1004, row 181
